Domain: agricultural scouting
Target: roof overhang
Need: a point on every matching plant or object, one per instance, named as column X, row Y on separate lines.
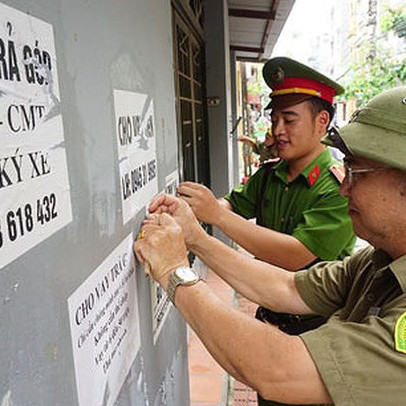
column 255, row 25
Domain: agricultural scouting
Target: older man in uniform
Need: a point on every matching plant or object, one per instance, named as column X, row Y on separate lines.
column 359, row 356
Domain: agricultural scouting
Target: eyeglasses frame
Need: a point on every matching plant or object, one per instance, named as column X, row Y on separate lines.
column 349, row 171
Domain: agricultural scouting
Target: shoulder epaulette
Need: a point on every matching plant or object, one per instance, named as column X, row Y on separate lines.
column 338, row 171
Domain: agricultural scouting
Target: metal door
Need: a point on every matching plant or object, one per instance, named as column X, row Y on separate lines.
column 190, row 98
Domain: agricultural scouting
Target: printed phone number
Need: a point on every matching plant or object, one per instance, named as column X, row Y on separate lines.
column 22, row 221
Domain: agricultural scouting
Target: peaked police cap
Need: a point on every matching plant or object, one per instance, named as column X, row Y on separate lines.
column 287, row 77
column 376, row 131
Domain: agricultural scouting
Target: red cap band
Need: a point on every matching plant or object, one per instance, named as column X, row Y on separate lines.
column 303, row 85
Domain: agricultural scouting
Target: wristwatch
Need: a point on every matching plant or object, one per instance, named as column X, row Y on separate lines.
column 182, row 275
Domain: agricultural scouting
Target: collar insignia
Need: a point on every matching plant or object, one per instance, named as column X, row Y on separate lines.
column 400, row 334
column 313, row 175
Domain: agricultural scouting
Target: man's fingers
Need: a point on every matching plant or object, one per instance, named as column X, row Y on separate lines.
column 190, row 188
column 186, row 199
column 159, row 209
column 148, row 229
column 189, row 193
column 147, row 268
column 156, row 202
column 166, row 220
column 138, row 253
column 163, row 203
column 151, row 228
column 184, row 191
column 188, row 184
column 138, row 246
column 160, row 202
column 151, row 219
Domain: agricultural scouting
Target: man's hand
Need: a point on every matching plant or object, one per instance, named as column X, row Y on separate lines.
column 202, row 201
column 161, row 246
column 181, row 212
column 244, row 138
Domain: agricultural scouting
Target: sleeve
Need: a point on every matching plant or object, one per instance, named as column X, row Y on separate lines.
column 255, row 147
column 325, row 286
column 244, row 199
column 327, row 228
column 358, row 362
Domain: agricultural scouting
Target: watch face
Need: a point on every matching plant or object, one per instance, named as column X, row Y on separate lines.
column 186, row 274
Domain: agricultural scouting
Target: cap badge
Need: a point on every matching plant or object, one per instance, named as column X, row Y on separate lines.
column 355, row 115
column 277, row 76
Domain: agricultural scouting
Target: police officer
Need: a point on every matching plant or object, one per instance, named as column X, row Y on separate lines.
column 300, row 196
column 297, row 202
column 359, row 356
column 301, row 216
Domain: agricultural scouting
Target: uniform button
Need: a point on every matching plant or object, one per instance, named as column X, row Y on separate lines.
column 286, row 189
column 282, row 219
column 370, row 297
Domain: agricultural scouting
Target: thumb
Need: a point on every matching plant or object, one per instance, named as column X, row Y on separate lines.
column 152, row 219
column 166, row 220
column 138, row 253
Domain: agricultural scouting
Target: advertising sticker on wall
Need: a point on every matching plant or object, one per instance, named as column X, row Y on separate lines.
column 34, row 184
column 160, row 302
column 135, row 131
column 104, row 321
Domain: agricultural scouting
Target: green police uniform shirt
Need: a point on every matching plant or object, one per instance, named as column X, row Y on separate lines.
column 310, row 207
column 361, row 352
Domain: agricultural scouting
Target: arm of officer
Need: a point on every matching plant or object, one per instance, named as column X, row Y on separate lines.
column 276, row 365
column 265, row 244
column 249, row 141
column 225, row 203
column 262, row 283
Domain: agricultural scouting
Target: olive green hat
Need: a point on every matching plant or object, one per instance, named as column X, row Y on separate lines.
column 376, row 131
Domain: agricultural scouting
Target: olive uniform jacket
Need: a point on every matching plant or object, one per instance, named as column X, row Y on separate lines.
column 360, row 352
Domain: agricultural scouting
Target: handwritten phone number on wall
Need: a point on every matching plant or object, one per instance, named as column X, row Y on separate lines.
column 17, row 223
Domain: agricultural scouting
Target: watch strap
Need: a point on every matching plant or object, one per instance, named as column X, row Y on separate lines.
column 174, row 281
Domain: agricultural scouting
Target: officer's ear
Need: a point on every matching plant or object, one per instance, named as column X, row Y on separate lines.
column 324, row 117
column 322, row 121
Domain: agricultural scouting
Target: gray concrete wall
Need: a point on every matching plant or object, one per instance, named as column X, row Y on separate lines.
column 100, row 46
